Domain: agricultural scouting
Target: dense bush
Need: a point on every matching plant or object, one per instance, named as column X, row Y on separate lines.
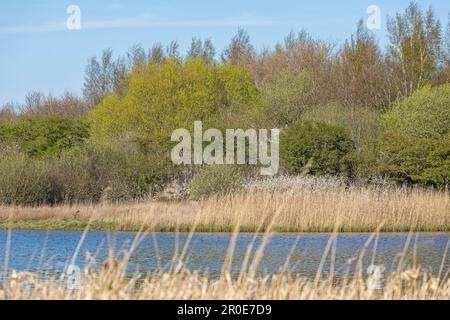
column 44, row 136
column 425, row 114
column 107, row 172
column 139, row 177
column 84, row 173
column 361, row 123
column 215, row 180
column 408, row 160
column 87, row 174
column 318, row 149
column 414, row 146
column 24, row 181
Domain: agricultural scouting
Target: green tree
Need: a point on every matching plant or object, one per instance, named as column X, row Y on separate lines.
column 409, row 160
column 318, row 149
column 162, row 98
column 426, row 114
column 44, row 137
column 414, row 145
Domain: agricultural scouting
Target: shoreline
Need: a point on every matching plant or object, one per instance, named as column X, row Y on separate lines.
column 106, row 226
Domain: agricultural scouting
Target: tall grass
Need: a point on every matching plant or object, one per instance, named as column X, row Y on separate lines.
column 185, row 285
column 358, row 209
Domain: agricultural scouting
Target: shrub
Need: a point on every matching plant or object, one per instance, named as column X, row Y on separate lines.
column 425, row 114
column 103, row 172
column 138, row 177
column 78, row 175
column 44, row 137
column 83, row 173
column 24, row 181
column 215, row 180
column 86, row 174
column 318, row 149
column 409, row 160
column 360, row 122
column 414, row 145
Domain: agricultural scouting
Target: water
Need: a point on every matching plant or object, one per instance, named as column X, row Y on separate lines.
column 52, row 250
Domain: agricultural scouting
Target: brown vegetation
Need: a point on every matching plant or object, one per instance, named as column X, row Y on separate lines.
column 356, row 209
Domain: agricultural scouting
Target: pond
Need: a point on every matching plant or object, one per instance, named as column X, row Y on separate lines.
column 53, row 250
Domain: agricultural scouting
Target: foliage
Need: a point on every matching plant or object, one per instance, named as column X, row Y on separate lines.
column 86, row 174
column 24, row 181
column 414, row 146
column 360, row 74
column 240, row 51
column 409, row 160
column 44, row 137
column 361, row 123
column 287, row 95
column 215, row 180
column 426, row 114
column 318, row 149
column 162, row 98
column 349, row 111
column 104, row 172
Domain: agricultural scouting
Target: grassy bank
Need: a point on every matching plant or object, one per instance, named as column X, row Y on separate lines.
column 361, row 209
column 100, row 225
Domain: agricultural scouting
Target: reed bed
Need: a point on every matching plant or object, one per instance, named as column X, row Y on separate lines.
column 411, row 284
column 355, row 209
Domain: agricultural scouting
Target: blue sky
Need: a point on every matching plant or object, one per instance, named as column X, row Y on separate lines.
column 38, row 52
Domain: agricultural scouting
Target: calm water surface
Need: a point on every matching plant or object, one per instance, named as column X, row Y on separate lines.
column 51, row 250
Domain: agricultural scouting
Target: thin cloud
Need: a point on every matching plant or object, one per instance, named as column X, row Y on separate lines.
column 26, row 28
column 142, row 22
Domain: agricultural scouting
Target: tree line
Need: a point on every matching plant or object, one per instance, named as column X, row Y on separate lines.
column 359, row 111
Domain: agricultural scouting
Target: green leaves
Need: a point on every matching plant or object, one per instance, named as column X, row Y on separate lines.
column 44, row 137
column 426, row 114
column 318, row 149
column 414, row 146
column 162, row 98
column 414, row 160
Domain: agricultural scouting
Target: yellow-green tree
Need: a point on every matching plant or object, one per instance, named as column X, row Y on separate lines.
column 161, row 98
column 426, row 114
column 414, row 145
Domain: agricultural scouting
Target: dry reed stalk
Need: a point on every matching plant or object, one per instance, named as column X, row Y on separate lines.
column 355, row 209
